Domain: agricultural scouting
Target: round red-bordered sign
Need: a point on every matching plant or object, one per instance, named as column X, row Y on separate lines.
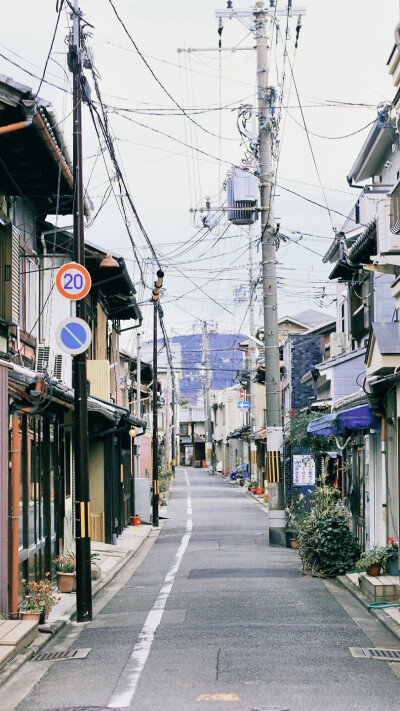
column 73, row 281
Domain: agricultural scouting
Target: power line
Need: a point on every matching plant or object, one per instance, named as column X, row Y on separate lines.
column 158, row 80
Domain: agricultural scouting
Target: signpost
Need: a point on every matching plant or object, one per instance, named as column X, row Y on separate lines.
column 73, row 335
column 73, row 281
column 243, row 405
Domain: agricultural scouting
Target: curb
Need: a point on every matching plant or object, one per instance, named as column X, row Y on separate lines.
column 381, row 615
column 48, row 632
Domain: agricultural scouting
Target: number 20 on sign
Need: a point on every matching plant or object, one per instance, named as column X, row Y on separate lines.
column 73, row 281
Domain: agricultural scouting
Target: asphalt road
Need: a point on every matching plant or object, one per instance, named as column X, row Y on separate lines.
column 214, row 618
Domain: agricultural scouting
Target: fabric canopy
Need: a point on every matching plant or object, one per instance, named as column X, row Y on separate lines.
column 356, row 418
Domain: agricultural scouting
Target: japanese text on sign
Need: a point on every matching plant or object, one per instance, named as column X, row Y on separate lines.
column 303, row 470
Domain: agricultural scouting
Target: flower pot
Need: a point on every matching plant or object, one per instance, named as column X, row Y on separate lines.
column 27, row 615
column 252, row 489
column 289, row 536
column 136, row 520
column 393, row 566
column 259, row 491
column 293, row 543
column 66, row 582
column 374, row 569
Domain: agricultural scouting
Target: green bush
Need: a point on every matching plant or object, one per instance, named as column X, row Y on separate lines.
column 327, row 547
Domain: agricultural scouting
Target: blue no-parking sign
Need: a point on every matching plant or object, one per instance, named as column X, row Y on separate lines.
column 73, row 335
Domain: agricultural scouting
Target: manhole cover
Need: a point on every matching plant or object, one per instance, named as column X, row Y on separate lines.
column 392, row 655
column 59, row 656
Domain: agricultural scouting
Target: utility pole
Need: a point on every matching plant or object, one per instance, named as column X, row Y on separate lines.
column 252, row 358
column 138, row 399
column 261, row 16
column 155, row 297
column 270, row 298
column 207, row 397
column 81, row 438
column 174, row 423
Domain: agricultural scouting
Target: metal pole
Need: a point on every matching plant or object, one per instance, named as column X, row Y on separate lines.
column 173, row 427
column 271, row 342
column 81, row 438
column 155, row 420
column 155, row 297
column 207, row 397
column 138, row 397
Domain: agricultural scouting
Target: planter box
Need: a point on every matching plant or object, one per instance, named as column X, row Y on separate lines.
column 379, row 587
column 66, row 582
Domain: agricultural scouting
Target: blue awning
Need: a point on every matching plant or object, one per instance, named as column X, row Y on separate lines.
column 356, row 418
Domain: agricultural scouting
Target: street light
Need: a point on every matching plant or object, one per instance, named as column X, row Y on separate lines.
column 109, row 261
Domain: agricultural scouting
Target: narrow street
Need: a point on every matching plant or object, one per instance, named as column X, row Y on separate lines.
column 224, row 621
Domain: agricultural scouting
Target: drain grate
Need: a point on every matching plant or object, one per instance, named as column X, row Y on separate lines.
column 392, row 655
column 60, row 656
column 271, row 708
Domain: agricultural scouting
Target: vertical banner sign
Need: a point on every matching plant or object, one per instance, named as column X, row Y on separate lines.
column 303, row 470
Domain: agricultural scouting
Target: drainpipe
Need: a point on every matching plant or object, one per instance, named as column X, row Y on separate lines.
column 384, row 481
column 15, row 126
column 41, row 287
column 15, row 484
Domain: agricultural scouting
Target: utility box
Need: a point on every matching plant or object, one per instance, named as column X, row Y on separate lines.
column 143, row 506
column 242, row 192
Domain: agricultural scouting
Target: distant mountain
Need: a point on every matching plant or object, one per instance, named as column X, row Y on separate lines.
column 225, row 361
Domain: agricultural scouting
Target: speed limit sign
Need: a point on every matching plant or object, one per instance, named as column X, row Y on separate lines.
column 73, row 281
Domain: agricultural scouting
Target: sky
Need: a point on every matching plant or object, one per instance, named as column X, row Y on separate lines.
column 172, row 160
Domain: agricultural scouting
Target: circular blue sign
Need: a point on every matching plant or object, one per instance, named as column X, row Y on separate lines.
column 73, row 335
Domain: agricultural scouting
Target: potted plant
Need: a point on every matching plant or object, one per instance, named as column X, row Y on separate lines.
column 38, row 599
column 391, row 564
column 327, row 547
column 66, row 572
column 371, row 561
column 293, row 514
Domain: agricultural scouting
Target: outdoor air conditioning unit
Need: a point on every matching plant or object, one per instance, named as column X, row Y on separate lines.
column 337, row 344
column 387, row 242
column 58, row 367
column 243, row 191
column 44, row 359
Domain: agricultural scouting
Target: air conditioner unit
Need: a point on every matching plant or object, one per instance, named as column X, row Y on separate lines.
column 58, row 367
column 387, row 242
column 44, row 359
column 337, row 344
column 242, row 191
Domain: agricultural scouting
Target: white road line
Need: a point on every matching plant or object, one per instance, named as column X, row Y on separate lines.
column 129, row 679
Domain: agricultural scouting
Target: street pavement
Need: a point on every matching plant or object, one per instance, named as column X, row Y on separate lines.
column 206, row 615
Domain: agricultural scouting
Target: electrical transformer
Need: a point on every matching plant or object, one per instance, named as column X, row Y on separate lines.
column 242, row 191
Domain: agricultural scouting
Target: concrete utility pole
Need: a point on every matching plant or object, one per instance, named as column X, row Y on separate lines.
column 207, row 396
column 138, row 399
column 81, row 436
column 156, row 306
column 261, row 15
column 270, row 297
column 252, row 356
